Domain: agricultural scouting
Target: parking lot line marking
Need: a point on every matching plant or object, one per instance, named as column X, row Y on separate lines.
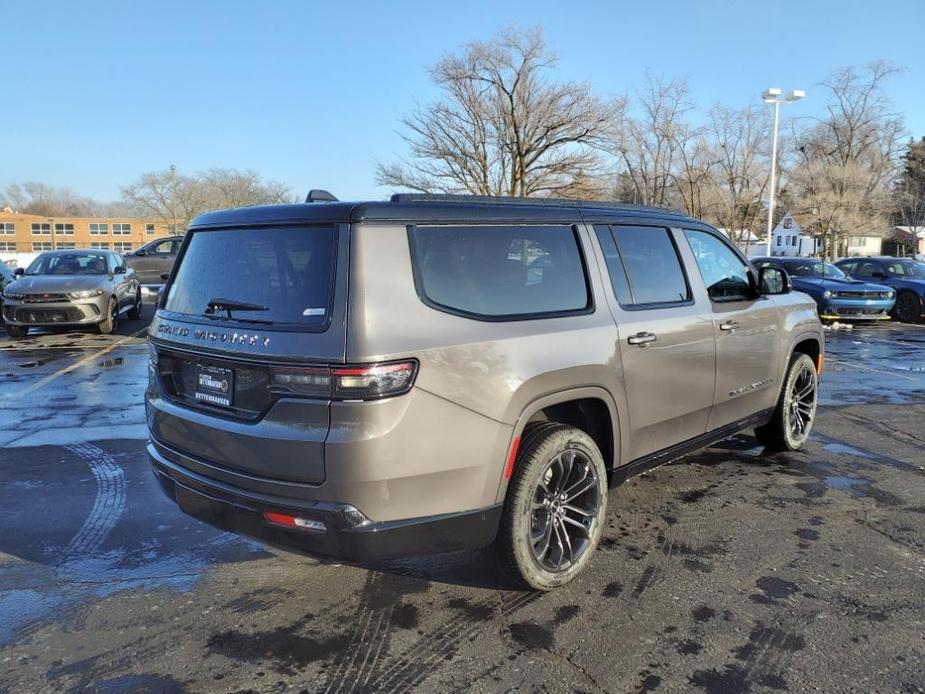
column 89, row 359
column 867, row 368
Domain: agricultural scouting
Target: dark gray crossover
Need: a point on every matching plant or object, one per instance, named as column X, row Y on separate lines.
column 432, row 373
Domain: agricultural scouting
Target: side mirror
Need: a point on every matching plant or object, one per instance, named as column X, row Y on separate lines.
column 773, row 281
column 141, row 251
column 120, row 270
column 879, row 275
column 165, row 275
column 19, row 272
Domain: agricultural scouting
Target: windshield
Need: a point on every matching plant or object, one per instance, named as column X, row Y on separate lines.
column 257, row 275
column 813, row 268
column 81, row 263
column 907, row 268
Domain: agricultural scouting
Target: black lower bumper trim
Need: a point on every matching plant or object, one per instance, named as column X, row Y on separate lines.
column 344, row 538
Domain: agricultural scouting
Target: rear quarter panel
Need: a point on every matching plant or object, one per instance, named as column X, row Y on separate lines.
column 494, row 370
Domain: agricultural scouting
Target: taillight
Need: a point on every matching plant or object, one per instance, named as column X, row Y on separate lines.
column 352, row 382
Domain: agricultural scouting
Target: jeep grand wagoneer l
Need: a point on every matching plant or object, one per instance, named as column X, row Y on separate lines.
column 370, row 380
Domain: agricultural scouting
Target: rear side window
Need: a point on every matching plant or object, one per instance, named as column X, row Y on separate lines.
column 644, row 266
column 274, row 276
column 500, row 272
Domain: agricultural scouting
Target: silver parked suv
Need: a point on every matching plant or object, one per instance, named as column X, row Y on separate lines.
column 371, row 380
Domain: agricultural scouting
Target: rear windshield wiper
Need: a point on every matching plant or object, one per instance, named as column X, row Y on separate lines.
column 229, row 305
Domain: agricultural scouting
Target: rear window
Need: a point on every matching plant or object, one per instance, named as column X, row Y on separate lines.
column 500, row 272
column 275, row 276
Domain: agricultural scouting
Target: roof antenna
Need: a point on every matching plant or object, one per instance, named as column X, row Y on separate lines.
column 318, row 195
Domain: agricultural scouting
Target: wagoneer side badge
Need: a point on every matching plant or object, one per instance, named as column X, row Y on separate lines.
column 234, row 338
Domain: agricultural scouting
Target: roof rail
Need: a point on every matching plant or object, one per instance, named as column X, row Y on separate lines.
column 505, row 200
column 487, row 199
column 318, row 195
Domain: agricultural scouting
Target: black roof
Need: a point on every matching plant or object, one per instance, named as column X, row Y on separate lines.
column 438, row 209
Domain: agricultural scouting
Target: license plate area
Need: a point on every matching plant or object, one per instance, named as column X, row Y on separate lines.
column 251, row 396
column 214, row 385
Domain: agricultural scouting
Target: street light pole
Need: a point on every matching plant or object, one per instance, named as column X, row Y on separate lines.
column 773, row 96
column 773, row 182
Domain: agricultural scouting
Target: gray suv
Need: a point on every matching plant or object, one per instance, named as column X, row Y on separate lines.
column 433, row 373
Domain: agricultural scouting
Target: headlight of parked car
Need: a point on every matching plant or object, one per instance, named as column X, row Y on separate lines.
column 12, row 296
column 828, row 294
column 85, row 294
column 887, row 295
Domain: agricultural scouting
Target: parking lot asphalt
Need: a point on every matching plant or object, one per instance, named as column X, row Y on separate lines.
column 726, row 571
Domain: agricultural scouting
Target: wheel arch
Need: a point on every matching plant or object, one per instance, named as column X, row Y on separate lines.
column 590, row 408
column 809, row 344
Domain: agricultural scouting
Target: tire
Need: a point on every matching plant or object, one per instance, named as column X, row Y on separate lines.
column 908, row 308
column 552, row 458
column 17, row 332
column 795, row 412
column 135, row 312
column 109, row 324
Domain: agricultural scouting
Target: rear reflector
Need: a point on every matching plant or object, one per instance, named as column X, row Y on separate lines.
column 353, row 382
column 296, row 522
column 511, row 458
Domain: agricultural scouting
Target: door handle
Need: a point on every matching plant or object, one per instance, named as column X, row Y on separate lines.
column 641, row 339
column 729, row 325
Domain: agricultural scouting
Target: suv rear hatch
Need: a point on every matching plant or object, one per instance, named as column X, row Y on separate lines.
column 244, row 340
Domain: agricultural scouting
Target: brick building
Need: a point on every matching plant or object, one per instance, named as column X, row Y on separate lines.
column 29, row 233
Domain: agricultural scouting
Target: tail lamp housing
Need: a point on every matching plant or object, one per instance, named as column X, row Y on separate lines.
column 347, row 382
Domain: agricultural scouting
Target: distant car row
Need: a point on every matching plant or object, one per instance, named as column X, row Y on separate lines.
column 876, row 288
column 82, row 286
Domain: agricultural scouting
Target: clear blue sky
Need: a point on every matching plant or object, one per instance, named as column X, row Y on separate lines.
column 311, row 93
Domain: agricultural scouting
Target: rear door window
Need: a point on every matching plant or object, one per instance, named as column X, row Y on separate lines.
column 500, row 272
column 649, row 271
column 280, row 276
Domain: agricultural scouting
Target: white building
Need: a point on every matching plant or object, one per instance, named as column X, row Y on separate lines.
column 788, row 238
column 864, row 245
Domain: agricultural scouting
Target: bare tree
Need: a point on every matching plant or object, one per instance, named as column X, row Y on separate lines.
column 909, row 190
column 503, row 127
column 648, row 136
column 33, row 197
column 849, row 157
column 177, row 198
column 741, row 144
column 694, row 190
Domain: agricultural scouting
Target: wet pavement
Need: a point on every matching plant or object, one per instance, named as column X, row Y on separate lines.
column 728, row 571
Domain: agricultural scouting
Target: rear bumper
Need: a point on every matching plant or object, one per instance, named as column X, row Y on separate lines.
column 347, row 534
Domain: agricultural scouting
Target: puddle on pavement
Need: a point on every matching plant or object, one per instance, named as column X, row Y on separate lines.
column 845, row 449
column 31, row 364
column 855, row 485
